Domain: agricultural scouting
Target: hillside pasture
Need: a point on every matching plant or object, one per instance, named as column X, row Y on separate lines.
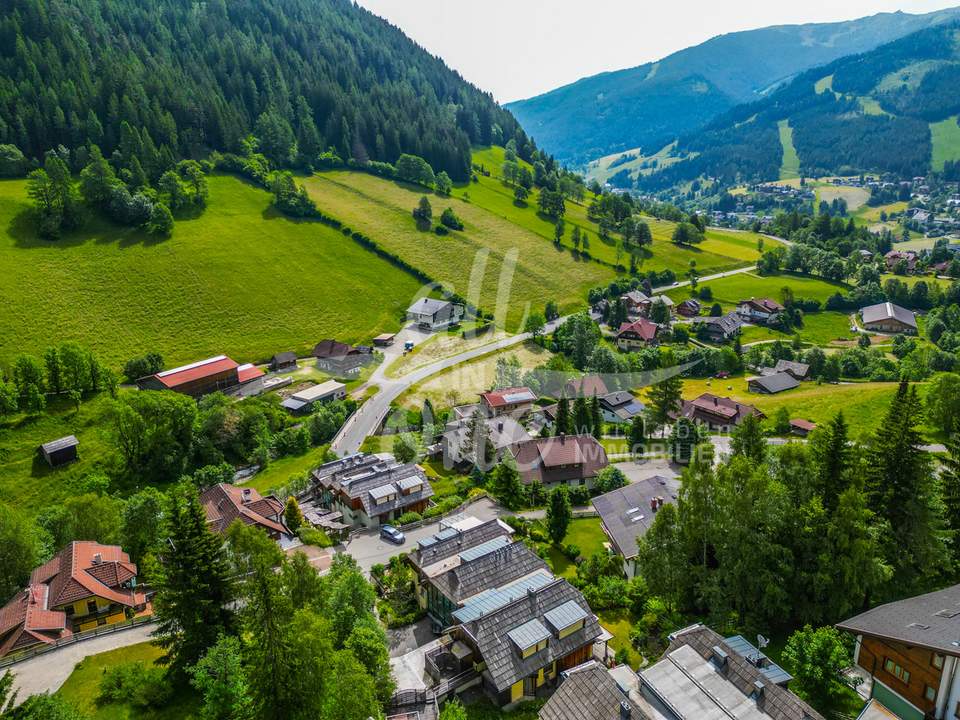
column 855, row 197
column 819, row 328
column 730, row 290
column 790, row 165
column 946, row 142
column 239, row 279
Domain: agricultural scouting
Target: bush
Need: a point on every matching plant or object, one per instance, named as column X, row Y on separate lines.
column 580, row 495
column 409, row 517
column 571, row 551
column 450, row 219
column 441, row 230
column 312, row 536
column 135, row 683
column 444, row 506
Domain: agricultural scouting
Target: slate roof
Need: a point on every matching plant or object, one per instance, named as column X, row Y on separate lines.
column 224, row 503
column 489, row 565
column 60, row 444
column 431, row 306
column 625, row 513
column 798, row 369
column 634, row 297
column 284, row 358
column 335, row 350
column 931, row 621
column 765, row 305
column 778, row 382
column 726, row 324
column 354, row 476
column 450, row 542
column 556, row 459
column 888, row 311
column 689, row 680
column 504, row 664
column 588, row 692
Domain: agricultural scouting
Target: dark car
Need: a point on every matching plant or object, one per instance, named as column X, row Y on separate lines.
column 391, row 534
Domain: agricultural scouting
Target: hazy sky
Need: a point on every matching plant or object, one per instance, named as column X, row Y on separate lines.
column 519, row 48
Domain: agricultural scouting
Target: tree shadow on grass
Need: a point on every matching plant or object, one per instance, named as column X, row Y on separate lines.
column 23, row 229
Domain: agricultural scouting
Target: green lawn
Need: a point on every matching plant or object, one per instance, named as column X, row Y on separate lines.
column 790, row 165
column 26, row 481
column 83, row 687
column 730, row 290
column 586, row 534
column 239, row 279
column 946, row 141
column 820, row 328
column 620, row 622
column 279, row 472
column 863, row 403
column 476, row 262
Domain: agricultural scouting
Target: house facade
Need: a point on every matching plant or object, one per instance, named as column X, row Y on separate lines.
column 370, row 490
column 638, row 334
column 907, row 650
column 759, row 311
column 620, row 407
column 717, row 413
column 341, row 359
column 887, row 317
column 719, row 329
column 84, row 586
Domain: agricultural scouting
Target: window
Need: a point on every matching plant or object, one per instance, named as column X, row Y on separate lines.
column 91, row 606
column 929, row 693
column 898, row 672
column 937, row 661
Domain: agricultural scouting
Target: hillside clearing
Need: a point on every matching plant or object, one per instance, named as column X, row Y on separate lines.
column 819, row 328
column 855, row 197
column 730, row 290
column 790, row 165
column 946, row 142
column 239, row 279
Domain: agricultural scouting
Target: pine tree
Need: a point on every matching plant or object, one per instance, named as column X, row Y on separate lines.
column 950, row 489
column 563, row 417
column 292, row 515
column 748, row 440
column 637, row 435
column 831, row 455
column 558, row 514
column 193, row 584
column 665, row 396
column 596, row 418
column 582, row 421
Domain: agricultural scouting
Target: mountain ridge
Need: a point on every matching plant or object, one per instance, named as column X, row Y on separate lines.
column 641, row 107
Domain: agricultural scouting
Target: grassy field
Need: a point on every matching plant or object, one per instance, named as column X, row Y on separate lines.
column 83, row 686
column 463, row 383
column 871, row 215
column 790, row 165
column 820, row 328
column 438, row 346
column 620, row 622
column 946, row 141
column 239, row 279
column 863, row 404
column 730, row 290
column 279, row 472
column 601, row 170
column 856, row 197
column 26, row 481
column 586, row 534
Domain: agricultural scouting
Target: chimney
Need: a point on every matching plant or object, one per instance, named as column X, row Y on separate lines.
column 97, row 559
column 246, row 495
column 653, row 504
column 563, row 437
column 500, row 426
column 719, row 657
column 715, row 401
column 624, row 710
column 758, row 691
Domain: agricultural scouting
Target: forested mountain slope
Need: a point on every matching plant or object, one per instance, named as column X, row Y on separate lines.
column 193, row 77
column 866, row 113
column 650, row 105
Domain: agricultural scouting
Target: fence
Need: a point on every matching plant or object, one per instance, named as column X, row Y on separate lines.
column 75, row 638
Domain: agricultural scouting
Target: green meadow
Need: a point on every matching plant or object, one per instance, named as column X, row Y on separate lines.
column 790, row 165
column 946, row 141
column 819, row 328
column 239, row 279
column 730, row 290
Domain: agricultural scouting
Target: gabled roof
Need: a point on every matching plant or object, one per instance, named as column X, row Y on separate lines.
column 797, row 369
column 283, row 358
column 713, row 407
column 430, row 306
column 553, row 459
column 489, row 565
column 727, row 324
column 778, row 382
column 334, row 350
column 888, row 311
column 626, row 514
column 641, row 327
column 451, row 541
column 225, row 503
column 508, row 396
column 587, row 386
column 248, row 372
column 802, row 424
column 931, row 620
column 354, row 476
column 616, row 399
column 589, row 692
column 75, row 573
column 60, row 444
column 26, row 620
column 195, row 371
column 762, row 305
column 634, row 297
column 504, row 663
column 690, row 679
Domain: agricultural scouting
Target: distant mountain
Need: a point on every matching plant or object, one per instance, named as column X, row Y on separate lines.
column 893, row 109
column 651, row 105
column 189, row 77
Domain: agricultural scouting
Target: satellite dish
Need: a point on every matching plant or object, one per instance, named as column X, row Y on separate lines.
column 762, row 642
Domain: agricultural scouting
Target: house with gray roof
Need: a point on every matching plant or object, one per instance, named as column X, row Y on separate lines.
column 798, row 369
column 620, row 407
column 908, row 649
column 701, row 676
column 887, row 317
column 457, row 445
column 433, row 314
column 589, row 692
column 370, row 490
column 628, row 512
column 718, row 329
column 521, row 646
column 772, row 384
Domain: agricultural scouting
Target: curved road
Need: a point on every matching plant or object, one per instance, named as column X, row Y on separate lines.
column 368, row 418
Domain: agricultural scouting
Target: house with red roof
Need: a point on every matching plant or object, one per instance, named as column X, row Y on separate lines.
column 717, row 413
column 638, row 334
column 568, row 459
column 587, row 386
column 195, row 379
column 760, row 311
column 514, row 401
column 224, row 503
column 82, row 587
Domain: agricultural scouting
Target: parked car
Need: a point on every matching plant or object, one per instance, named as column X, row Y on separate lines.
column 391, row 534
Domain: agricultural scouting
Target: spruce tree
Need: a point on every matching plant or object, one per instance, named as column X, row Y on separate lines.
column 563, row 417
column 950, row 488
column 596, row 417
column 665, row 396
column 831, row 455
column 748, row 439
column 193, row 584
column 558, row 514
column 637, row 435
column 582, row 421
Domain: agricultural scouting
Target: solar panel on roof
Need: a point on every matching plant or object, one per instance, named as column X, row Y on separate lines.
column 427, row 542
column 490, row 600
column 484, row 549
column 518, row 397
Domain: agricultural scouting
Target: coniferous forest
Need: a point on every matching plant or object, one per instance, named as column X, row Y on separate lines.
column 192, row 77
